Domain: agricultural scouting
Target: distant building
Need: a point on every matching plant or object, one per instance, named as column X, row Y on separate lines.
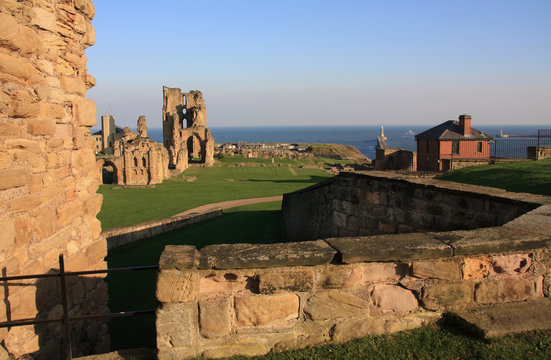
column 452, row 145
column 105, row 138
column 393, row 159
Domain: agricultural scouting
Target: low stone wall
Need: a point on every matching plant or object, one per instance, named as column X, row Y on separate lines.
column 371, row 203
column 538, row 152
column 248, row 300
column 127, row 234
column 245, row 299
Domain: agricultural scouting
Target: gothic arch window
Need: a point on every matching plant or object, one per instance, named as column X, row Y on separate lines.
column 143, row 162
column 135, row 162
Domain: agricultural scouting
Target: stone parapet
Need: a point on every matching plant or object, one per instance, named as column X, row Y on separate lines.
column 377, row 203
column 246, row 299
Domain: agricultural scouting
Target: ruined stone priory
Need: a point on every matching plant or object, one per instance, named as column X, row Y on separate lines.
column 137, row 159
column 48, row 178
column 192, row 142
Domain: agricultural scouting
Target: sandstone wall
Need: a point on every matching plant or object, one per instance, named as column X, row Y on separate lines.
column 373, row 203
column 245, row 299
column 48, row 176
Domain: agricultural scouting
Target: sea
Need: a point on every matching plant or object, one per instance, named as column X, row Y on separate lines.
column 364, row 138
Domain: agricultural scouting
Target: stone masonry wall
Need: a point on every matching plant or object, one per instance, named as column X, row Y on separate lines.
column 373, row 203
column 48, row 175
column 245, row 299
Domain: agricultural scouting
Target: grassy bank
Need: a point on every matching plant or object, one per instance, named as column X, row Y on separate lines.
column 123, row 207
column 530, row 176
column 260, row 223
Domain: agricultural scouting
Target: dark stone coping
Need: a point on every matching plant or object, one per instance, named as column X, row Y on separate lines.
column 242, row 256
column 350, row 250
column 412, row 246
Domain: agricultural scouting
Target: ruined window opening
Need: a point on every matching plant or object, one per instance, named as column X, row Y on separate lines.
column 135, row 162
column 143, row 162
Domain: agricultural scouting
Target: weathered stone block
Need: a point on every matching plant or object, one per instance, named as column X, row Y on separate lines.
column 43, row 19
column 38, row 127
column 476, row 268
column 503, row 319
column 13, row 69
column 229, row 282
column 350, row 329
column 85, row 111
column 265, row 309
column 335, row 304
column 9, row 129
column 444, row 270
column 505, row 290
column 338, row 277
column 394, row 298
column 238, row 256
column 7, row 234
column 179, row 257
column 388, row 271
column 177, row 327
column 389, row 247
column 511, row 264
column 24, row 203
column 493, row 240
column 11, row 178
column 43, row 223
column 286, row 280
column 176, row 286
column 412, row 321
column 443, row 296
column 244, row 347
column 214, row 317
column 67, row 212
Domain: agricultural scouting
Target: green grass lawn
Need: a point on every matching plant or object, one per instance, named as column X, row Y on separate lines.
column 123, row 207
column 527, row 176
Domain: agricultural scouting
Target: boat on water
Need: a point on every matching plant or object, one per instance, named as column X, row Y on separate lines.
column 410, row 132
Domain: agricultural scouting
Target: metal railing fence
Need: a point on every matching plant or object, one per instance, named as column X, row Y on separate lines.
column 66, row 319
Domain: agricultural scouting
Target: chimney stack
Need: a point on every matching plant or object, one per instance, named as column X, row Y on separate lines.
column 465, row 124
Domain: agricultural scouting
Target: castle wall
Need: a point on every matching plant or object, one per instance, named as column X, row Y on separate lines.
column 371, row 203
column 48, row 174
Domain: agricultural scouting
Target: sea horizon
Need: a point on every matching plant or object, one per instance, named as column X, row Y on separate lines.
column 363, row 137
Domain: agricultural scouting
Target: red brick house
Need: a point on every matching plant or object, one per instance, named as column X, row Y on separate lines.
column 452, row 145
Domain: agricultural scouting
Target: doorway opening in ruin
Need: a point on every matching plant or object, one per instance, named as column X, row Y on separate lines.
column 109, row 173
column 194, row 148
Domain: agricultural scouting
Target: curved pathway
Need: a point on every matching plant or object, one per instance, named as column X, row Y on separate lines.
column 229, row 204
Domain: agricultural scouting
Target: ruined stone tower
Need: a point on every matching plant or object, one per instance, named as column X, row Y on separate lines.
column 48, row 176
column 191, row 143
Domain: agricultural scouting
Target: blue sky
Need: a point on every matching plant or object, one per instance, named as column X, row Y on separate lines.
column 266, row 63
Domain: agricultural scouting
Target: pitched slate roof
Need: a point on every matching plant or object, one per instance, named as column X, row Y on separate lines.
column 450, row 130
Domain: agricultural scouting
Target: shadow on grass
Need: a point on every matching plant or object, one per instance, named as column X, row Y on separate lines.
column 312, row 180
column 136, row 290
